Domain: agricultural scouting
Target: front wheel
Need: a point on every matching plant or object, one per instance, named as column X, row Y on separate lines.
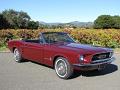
column 63, row 68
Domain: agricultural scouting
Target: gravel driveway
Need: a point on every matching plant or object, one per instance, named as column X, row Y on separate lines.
column 32, row 76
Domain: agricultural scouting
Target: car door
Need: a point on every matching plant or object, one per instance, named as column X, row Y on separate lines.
column 33, row 51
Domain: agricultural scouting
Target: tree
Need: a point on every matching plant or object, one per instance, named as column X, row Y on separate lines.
column 60, row 26
column 23, row 19
column 43, row 26
column 33, row 25
column 104, row 22
column 3, row 22
column 16, row 19
column 117, row 22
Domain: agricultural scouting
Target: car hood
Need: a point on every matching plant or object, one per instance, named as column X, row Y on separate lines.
column 83, row 48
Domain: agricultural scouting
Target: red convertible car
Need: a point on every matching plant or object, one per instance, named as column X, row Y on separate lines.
column 59, row 50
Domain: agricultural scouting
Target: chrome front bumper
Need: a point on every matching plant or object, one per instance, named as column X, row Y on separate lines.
column 97, row 62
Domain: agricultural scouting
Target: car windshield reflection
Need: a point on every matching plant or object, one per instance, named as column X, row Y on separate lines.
column 57, row 37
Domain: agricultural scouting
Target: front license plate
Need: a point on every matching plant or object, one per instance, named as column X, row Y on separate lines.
column 102, row 66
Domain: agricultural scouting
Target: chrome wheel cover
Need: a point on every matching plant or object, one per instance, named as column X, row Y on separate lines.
column 17, row 55
column 61, row 67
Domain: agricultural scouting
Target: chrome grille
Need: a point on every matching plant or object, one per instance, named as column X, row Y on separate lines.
column 101, row 56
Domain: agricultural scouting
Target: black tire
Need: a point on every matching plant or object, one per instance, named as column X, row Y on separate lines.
column 63, row 68
column 17, row 55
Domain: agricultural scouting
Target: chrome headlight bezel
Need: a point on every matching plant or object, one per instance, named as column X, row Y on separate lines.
column 81, row 58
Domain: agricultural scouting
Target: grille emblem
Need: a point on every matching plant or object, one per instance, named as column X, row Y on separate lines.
column 102, row 56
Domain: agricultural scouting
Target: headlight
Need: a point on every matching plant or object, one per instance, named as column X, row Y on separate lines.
column 81, row 58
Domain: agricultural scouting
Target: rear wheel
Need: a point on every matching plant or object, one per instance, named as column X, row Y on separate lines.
column 17, row 55
column 63, row 68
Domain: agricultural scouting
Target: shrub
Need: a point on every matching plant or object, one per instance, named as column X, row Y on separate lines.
column 106, row 38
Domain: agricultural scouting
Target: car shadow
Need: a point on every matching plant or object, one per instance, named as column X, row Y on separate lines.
column 109, row 69
column 26, row 60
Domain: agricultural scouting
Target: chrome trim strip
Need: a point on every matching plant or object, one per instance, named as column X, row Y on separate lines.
column 101, row 60
column 107, row 61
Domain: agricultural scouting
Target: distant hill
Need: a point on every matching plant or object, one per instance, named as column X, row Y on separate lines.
column 81, row 24
column 74, row 23
column 55, row 23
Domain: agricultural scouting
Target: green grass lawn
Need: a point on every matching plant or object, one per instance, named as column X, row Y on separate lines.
column 3, row 48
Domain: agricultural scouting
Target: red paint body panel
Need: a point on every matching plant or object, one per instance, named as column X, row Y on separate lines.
column 34, row 51
column 45, row 53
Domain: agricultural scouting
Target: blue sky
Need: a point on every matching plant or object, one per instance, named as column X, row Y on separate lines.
column 63, row 10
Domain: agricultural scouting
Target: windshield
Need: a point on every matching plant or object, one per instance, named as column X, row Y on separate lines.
column 55, row 37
